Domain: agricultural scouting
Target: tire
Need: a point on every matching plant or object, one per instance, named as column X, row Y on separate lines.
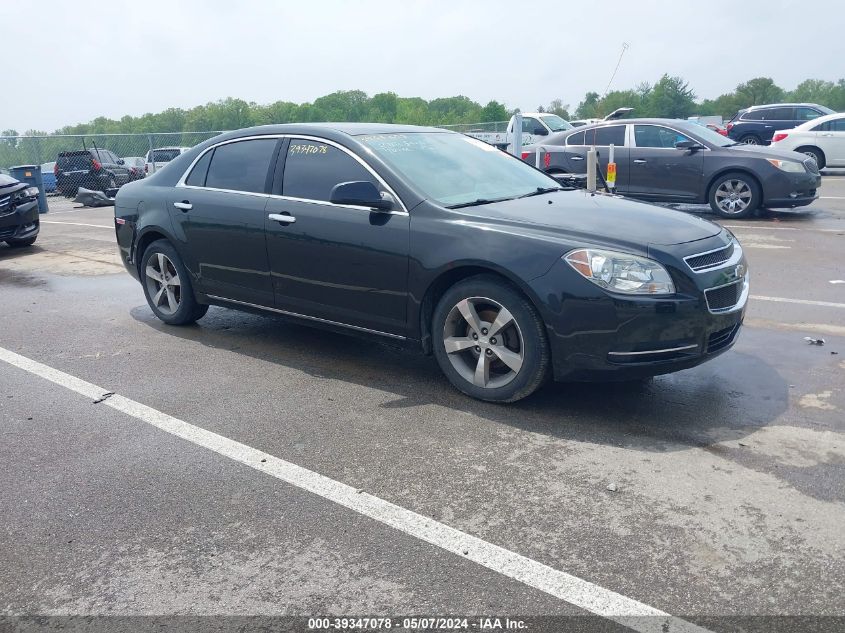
column 175, row 304
column 479, row 370
column 721, row 198
column 816, row 154
column 751, row 139
column 22, row 243
column 111, row 184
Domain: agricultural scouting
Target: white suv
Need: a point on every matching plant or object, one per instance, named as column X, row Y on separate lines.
column 159, row 157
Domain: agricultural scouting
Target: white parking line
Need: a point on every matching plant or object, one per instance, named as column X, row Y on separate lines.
column 98, row 226
column 806, row 302
column 754, row 227
column 581, row 593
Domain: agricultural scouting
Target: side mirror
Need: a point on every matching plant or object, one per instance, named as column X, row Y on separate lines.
column 689, row 145
column 540, row 131
column 361, row 193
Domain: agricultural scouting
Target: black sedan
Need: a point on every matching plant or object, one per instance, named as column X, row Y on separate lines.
column 19, row 223
column 668, row 160
column 438, row 241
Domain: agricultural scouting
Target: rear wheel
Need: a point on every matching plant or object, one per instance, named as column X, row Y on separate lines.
column 751, row 139
column 735, row 195
column 167, row 285
column 815, row 153
column 490, row 341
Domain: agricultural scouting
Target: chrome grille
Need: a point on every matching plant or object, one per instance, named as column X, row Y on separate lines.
column 710, row 259
column 724, row 297
column 811, row 166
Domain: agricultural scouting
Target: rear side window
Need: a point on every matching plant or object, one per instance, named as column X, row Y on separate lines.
column 779, row 114
column 575, row 139
column 164, row 155
column 312, row 170
column 197, row 176
column 612, row 134
column 241, row 166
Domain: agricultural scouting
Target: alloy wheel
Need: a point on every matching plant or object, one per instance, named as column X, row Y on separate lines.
column 163, row 283
column 483, row 342
column 733, row 196
column 750, row 140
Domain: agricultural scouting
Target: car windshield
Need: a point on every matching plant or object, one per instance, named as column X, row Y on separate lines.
column 164, row 155
column 453, row 169
column 555, row 123
column 708, row 135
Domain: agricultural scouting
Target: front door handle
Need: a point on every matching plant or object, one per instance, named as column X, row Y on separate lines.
column 184, row 205
column 640, row 161
column 284, row 219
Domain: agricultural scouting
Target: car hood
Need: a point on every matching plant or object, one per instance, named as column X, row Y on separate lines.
column 10, row 185
column 759, row 151
column 600, row 219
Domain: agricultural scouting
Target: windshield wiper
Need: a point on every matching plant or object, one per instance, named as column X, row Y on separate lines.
column 477, row 202
column 541, row 190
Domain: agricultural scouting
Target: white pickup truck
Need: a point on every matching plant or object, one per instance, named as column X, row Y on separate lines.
column 535, row 126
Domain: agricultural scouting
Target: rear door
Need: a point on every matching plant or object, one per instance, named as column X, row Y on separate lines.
column 340, row 263
column 774, row 119
column 219, row 214
column 659, row 170
column 578, row 144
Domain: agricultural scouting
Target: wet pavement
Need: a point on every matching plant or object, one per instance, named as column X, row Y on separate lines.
column 728, row 480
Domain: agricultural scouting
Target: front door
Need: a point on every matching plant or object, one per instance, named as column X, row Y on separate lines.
column 220, row 214
column 660, row 171
column 339, row 263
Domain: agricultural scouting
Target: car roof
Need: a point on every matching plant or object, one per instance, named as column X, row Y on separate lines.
column 651, row 121
column 780, row 105
column 350, row 129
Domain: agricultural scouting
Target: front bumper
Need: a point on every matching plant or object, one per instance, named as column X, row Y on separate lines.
column 791, row 190
column 598, row 336
column 20, row 222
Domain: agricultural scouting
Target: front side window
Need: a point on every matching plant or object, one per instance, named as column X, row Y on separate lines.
column 657, row 136
column 312, row 170
column 241, row 166
column 453, row 169
column 604, row 136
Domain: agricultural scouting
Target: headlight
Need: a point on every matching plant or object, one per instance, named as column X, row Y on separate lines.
column 621, row 272
column 788, row 165
column 29, row 192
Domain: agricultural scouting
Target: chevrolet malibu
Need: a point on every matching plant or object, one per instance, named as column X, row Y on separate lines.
column 438, row 241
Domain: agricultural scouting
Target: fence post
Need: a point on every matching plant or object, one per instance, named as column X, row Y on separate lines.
column 150, row 142
column 517, row 135
column 591, row 170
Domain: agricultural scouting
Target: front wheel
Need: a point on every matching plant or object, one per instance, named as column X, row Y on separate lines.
column 735, row 195
column 167, row 285
column 489, row 340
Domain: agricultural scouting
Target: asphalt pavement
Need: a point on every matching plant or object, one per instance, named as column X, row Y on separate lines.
column 713, row 492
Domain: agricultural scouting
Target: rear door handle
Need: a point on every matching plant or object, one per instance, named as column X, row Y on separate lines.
column 284, row 219
column 640, row 161
column 184, row 205
column 577, row 157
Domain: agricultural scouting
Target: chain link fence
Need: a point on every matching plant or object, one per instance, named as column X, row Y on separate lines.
column 135, row 150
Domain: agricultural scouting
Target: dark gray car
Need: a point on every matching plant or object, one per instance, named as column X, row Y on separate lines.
column 668, row 160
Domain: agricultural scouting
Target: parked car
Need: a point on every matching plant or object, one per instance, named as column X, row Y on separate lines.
column 823, row 139
column 48, row 177
column 757, row 124
column 136, row 166
column 96, row 169
column 19, row 224
column 159, row 157
column 669, row 160
column 438, row 241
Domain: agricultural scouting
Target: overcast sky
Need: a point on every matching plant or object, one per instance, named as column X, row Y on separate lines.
column 78, row 60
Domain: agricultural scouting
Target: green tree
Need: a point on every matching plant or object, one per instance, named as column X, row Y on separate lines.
column 494, row 111
column 758, row 91
column 671, row 97
column 588, row 108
